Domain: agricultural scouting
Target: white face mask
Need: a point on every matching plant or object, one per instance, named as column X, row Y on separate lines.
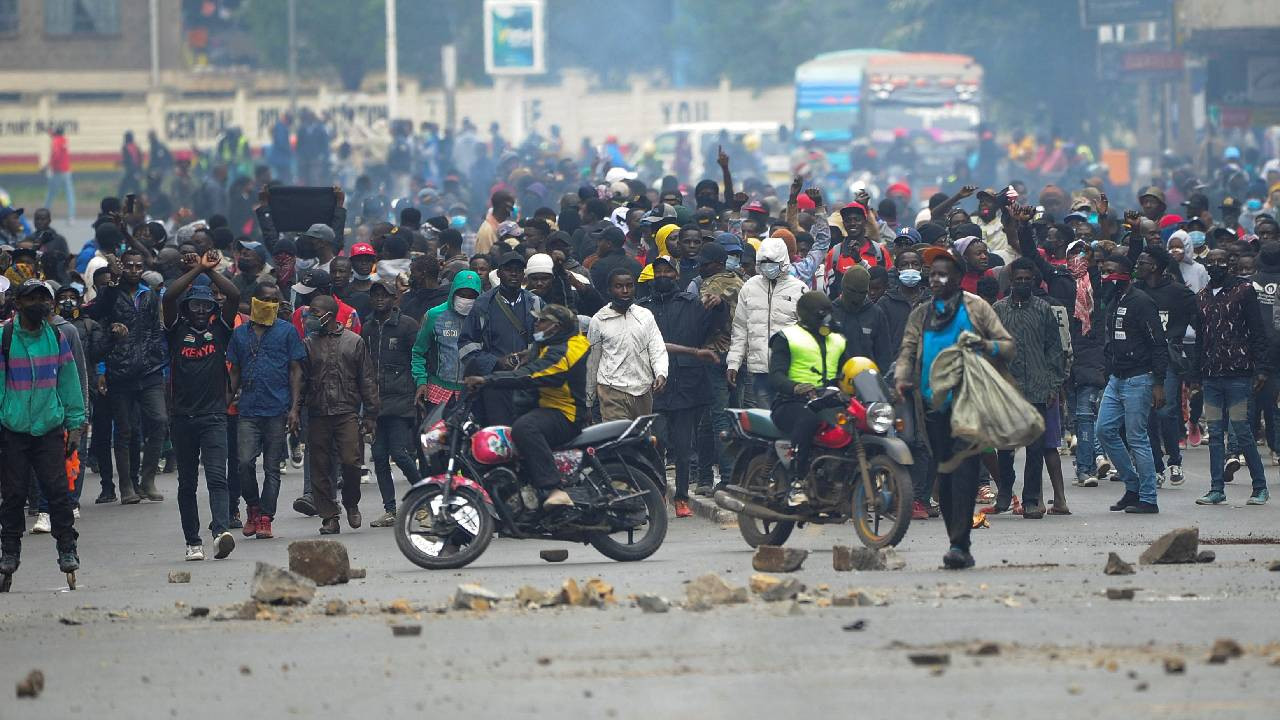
column 770, row 270
column 463, row 306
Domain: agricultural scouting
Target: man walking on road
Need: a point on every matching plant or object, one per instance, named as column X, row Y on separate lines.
column 390, row 335
column 339, row 382
column 199, row 332
column 41, row 413
column 627, row 352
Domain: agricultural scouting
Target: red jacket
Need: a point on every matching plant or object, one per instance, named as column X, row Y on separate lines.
column 59, row 156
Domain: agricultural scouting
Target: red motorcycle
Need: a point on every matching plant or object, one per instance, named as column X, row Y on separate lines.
column 858, row 471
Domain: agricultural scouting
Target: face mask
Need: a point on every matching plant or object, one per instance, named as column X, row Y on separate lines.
column 245, row 265
column 732, row 263
column 1021, row 292
column 35, row 313
column 69, row 309
column 515, row 211
column 1217, row 273
column 362, row 278
column 540, row 336
column 304, row 264
column 770, row 270
column 664, row 285
column 458, row 222
column 853, row 300
column 263, row 312
column 621, row 305
column 463, row 306
column 1197, row 238
column 313, row 326
column 909, row 278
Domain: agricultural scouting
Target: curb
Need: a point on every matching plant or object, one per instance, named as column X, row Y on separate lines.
column 707, row 508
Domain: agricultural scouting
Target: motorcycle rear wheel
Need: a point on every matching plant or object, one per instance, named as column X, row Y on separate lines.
column 882, row 521
column 757, row 531
column 462, row 538
column 655, row 526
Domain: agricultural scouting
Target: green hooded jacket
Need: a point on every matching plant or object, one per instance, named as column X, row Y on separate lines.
column 436, row 357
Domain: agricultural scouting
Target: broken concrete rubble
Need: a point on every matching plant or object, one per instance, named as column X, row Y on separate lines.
column 771, row 558
column 280, row 587
column 1175, row 546
column 324, row 562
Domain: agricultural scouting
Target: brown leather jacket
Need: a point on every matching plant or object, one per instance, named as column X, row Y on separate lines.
column 339, row 375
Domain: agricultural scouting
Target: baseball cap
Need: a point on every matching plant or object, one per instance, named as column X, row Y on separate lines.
column 1075, row 216
column 988, row 193
column 559, row 314
column 664, row 259
column 539, row 263
column 659, row 213
column 1229, row 203
column 7, row 211
column 386, row 284
column 510, row 228
column 909, row 236
column 198, row 292
column 617, row 174
column 311, row 281
column 705, row 217
column 933, row 252
column 320, row 231
column 804, row 202
column 610, row 233
column 1154, row 192
column 32, row 285
column 854, row 206
column 360, row 249
column 258, row 249
column 711, row 253
column 511, row 257
column 755, row 207
column 1168, row 220
column 729, row 242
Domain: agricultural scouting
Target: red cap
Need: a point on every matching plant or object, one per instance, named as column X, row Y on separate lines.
column 855, row 206
column 756, row 207
column 362, row 249
column 804, row 202
column 1168, row 220
column 899, row 187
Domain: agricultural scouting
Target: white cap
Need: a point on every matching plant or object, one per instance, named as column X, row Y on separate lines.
column 616, row 173
column 924, row 216
column 539, row 263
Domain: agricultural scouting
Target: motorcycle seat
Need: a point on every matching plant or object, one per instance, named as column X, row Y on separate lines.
column 596, row 434
column 761, row 424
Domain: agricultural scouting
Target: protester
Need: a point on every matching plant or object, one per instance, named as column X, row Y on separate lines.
column 499, row 328
column 627, row 352
column 390, row 336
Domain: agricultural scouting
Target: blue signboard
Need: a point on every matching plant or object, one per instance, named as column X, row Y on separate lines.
column 513, row 37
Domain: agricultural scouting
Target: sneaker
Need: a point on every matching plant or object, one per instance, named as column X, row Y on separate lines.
column 1159, row 479
column 1033, row 513
column 264, row 528
column 1275, row 458
column 388, row 519
column 1087, row 481
column 42, row 524
column 235, row 522
column 250, row 527
column 1175, row 475
column 366, row 477
column 305, row 506
column 1103, row 465
column 1213, row 497
column 75, row 513
column 330, row 526
column 1229, row 469
column 934, row 509
column 195, row 552
column 1259, row 497
column 68, row 561
column 957, row 559
column 223, row 545
column 986, row 495
column 996, row 509
column 682, row 508
column 1129, row 498
column 1195, row 434
column 1143, row 508
column 105, row 497
column 919, row 511
column 295, row 453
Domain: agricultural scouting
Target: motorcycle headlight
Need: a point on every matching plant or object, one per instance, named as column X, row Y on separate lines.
column 880, row 417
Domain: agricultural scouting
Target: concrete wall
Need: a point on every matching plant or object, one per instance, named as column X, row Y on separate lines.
column 30, row 48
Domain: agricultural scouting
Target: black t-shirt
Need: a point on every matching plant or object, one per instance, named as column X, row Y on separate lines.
column 198, row 367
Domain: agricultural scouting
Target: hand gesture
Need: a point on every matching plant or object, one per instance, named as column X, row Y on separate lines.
column 1104, row 205
column 863, row 197
column 1132, row 219
column 711, row 301
column 796, row 183
column 967, row 191
column 340, row 196
column 209, row 261
column 722, row 158
column 815, row 194
column 739, row 199
column 1021, row 213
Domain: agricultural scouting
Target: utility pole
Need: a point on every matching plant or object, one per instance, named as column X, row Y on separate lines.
column 293, row 58
column 153, row 10
column 393, row 82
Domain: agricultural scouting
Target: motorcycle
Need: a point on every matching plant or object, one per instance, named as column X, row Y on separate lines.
column 858, row 470
column 610, row 471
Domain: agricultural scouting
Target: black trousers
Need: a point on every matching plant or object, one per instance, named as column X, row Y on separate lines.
column 958, row 489
column 534, row 434
column 1032, row 472
column 679, row 434
column 800, row 423
column 45, row 456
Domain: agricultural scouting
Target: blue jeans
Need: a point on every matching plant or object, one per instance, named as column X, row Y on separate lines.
column 1127, row 402
column 762, row 392
column 1226, row 402
column 61, row 181
column 201, row 440
column 393, row 441
column 1086, row 412
column 261, row 436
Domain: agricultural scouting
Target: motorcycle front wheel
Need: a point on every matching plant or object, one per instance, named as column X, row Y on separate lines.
column 443, row 541
column 758, row 479
column 882, row 519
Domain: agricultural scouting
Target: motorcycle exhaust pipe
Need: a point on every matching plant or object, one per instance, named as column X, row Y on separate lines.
column 728, row 502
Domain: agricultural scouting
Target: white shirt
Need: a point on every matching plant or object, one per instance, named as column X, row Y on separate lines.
column 629, row 347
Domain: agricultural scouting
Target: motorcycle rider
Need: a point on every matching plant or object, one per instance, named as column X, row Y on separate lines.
column 803, row 358
column 558, row 369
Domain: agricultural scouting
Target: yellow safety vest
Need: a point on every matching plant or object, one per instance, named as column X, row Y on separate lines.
column 808, row 363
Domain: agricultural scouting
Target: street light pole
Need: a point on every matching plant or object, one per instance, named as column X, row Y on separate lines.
column 393, row 89
column 293, row 58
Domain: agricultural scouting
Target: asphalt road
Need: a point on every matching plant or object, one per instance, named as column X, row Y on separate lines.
column 1038, row 592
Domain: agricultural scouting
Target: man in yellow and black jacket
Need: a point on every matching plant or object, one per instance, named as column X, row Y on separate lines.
column 558, row 369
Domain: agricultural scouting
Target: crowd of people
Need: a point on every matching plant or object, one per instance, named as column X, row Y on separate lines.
column 191, row 333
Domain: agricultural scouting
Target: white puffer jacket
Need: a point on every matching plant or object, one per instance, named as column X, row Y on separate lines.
column 764, row 308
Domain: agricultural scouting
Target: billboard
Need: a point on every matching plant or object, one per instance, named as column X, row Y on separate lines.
column 513, row 37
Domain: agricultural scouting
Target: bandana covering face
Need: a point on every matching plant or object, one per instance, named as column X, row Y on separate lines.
column 262, row 312
column 285, row 269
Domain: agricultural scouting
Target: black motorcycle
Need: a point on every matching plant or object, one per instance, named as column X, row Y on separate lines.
column 610, row 470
